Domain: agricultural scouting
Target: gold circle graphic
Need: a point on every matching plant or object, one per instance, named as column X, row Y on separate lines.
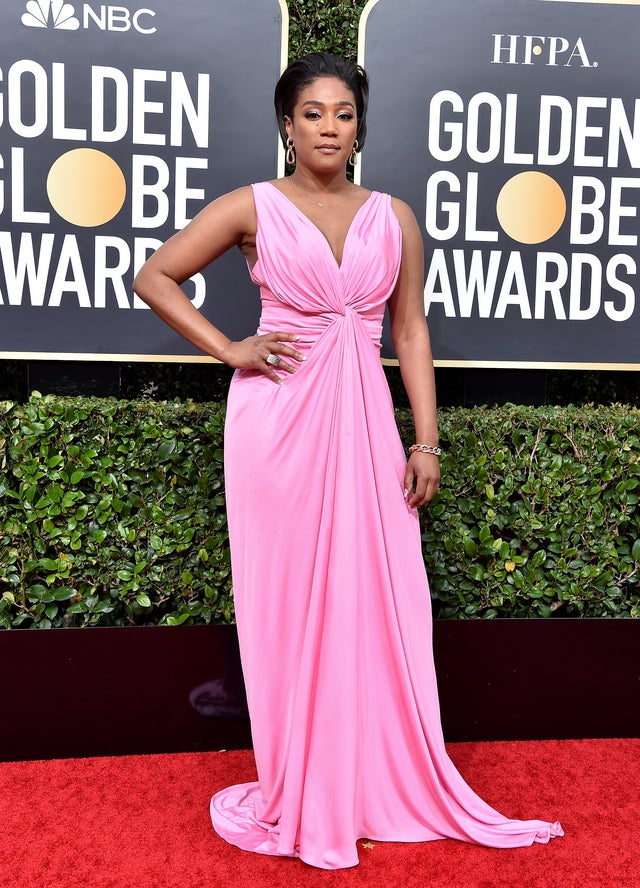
column 531, row 207
column 86, row 187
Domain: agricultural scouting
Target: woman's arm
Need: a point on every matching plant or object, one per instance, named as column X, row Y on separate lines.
column 228, row 221
column 410, row 338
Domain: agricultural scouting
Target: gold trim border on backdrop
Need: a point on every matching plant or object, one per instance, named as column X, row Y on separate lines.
column 284, row 60
column 520, row 365
column 387, row 362
column 362, row 24
column 601, row 2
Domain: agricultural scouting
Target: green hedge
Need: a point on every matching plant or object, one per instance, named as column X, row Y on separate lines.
column 112, row 513
column 324, row 26
column 537, row 514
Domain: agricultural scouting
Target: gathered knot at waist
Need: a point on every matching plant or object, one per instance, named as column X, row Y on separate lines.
column 309, row 326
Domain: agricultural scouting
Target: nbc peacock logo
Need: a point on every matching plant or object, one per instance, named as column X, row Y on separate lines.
column 50, row 14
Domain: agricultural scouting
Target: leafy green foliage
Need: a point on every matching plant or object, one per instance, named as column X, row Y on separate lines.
column 537, row 514
column 113, row 513
column 324, row 26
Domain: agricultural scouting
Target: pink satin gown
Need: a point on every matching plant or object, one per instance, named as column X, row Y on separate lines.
column 330, row 589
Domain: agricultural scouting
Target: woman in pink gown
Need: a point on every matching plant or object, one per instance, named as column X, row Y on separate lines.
column 331, row 596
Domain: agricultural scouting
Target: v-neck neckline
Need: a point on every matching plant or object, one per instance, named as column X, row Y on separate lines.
column 320, row 231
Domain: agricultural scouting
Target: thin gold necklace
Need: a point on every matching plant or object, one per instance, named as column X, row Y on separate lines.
column 322, row 203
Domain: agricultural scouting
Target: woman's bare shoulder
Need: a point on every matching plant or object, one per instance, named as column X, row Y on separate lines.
column 403, row 211
column 238, row 200
column 233, row 212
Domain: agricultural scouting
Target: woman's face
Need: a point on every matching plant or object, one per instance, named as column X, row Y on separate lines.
column 324, row 125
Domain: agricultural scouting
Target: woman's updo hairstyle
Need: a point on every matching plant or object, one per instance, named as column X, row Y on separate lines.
column 309, row 68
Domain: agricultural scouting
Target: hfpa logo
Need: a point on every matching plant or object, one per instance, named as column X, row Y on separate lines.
column 61, row 15
column 527, row 49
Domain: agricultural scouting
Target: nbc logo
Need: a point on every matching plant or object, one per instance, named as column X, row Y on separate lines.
column 61, row 15
column 50, row 14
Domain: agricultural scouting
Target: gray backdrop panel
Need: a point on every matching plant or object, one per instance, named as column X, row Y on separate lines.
column 415, row 48
column 238, row 45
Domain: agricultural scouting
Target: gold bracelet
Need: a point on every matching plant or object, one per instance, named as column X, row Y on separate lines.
column 425, row 448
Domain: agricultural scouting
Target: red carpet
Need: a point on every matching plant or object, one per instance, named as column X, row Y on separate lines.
column 142, row 822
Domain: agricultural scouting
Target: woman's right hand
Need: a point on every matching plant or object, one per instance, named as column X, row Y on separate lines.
column 254, row 353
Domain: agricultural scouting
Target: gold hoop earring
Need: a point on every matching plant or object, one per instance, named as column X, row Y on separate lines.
column 353, row 158
column 291, row 153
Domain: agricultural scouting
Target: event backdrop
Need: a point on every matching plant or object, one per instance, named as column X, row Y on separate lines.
column 513, row 131
column 118, row 122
